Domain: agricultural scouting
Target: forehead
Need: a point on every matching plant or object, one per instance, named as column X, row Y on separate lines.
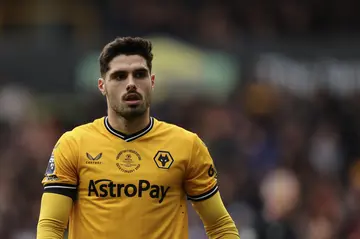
column 127, row 63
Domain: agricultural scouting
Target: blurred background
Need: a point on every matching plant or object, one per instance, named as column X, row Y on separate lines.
column 271, row 86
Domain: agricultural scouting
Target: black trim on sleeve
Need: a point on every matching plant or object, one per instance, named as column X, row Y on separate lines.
column 62, row 188
column 204, row 196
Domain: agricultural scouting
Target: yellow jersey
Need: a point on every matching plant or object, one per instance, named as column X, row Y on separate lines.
column 130, row 186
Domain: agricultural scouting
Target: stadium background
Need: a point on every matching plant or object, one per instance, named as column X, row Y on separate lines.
column 272, row 87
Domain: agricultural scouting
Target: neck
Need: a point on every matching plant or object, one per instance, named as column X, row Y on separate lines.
column 128, row 126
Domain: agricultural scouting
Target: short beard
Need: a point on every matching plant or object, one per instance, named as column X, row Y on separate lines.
column 130, row 113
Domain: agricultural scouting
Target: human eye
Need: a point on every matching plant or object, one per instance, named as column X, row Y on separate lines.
column 140, row 74
column 121, row 75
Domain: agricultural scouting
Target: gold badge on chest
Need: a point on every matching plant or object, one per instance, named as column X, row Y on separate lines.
column 128, row 161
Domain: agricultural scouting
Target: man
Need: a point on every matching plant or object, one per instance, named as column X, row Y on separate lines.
column 128, row 175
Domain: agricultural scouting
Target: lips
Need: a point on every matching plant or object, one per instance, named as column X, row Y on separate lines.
column 132, row 97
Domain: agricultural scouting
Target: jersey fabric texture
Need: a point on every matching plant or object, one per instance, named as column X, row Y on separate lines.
column 130, row 186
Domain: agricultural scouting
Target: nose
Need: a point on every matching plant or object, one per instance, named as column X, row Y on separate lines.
column 131, row 86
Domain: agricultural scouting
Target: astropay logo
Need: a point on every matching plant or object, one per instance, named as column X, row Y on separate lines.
column 107, row 188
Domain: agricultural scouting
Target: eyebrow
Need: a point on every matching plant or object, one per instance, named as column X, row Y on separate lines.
column 126, row 71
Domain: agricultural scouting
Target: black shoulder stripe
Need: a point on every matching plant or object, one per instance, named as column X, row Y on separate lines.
column 63, row 189
column 205, row 195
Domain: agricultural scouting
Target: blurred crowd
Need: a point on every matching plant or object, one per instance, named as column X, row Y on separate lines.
column 288, row 166
column 210, row 22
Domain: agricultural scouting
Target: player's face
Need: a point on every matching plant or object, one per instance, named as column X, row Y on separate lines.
column 128, row 86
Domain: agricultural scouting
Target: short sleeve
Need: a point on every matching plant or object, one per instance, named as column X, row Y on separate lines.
column 61, row 172
column 201, row 176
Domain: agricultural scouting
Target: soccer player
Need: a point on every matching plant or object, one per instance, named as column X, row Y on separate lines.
column 128, row 175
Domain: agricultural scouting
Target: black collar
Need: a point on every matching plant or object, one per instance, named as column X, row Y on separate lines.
column 129, row 137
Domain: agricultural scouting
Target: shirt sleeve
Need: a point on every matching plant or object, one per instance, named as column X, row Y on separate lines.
column 201, row 176
column 61, row 173
column 216, row 219
column 54, row 216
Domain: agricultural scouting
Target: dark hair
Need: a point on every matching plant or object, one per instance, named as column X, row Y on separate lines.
column 125, row 46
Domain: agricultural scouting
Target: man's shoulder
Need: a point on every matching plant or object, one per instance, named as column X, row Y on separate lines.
column 82, row 130
column 175, row 130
